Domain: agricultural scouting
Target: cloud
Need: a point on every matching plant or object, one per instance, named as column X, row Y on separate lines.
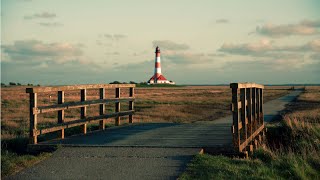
column 48, row 24
column 187, row 58
column 115, row 37
column 216, row 55
column 170, row 45
column 109, row 39
column 305, row 27
column 266, row 47
column 113, row 53
column 140, row 66
column 119, row 36
column 43, row 15
column 222, row 21
column 38, row 51
column 248, row 48
column 315, row 56
column 266, row 54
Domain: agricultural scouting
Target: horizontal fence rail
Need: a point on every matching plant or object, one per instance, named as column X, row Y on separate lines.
column 61, row 106
column 248, row 128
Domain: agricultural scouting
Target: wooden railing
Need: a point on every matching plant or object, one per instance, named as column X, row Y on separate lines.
column 247, row 108
column 82, row 104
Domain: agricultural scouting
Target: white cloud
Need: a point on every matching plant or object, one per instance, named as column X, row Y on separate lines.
column 222, row 21
column 34, row 50
column 170, row 45
column 43, row 15
column 265, row 47
column 50, row 24
column 305, row 27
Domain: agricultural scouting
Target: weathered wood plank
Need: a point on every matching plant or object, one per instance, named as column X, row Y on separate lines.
column 79, row 122
column 249, row 115
column 131, row 104
column 243, row 112
column 117, row 106
column 33, row 118
column 258, row 106
column 71, row 105
column 261, row 106
column 251, row 138
column 246, row 85
column 254, row 109
column 83, row 112
column 61, row 112
column 102, row 109
column 77, row 87
column 236, row 134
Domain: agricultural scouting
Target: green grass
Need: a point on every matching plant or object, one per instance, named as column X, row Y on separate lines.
column 14, row 156
column 262, row 166
column 11, row 162
column 293, row 153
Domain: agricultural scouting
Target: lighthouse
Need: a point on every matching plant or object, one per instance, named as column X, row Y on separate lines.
column 158, row 78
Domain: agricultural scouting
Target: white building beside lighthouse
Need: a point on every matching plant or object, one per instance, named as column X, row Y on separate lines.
column 158, row 78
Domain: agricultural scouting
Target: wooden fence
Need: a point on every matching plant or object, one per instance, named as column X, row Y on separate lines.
column 247, row 108
column 84, row 119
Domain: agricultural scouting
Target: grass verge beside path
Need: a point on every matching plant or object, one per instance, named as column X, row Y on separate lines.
column 14, row 156
column 292, row 151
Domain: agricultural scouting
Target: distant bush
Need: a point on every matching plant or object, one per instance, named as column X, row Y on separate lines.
column 12, row 84
column 115, row 82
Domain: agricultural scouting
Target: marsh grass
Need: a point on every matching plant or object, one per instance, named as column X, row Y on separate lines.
column 14, row 155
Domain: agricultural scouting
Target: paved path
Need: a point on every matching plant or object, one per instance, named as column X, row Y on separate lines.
column 274, row 107
column 139, row 151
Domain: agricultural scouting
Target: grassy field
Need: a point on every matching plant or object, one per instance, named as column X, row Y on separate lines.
column 292, row 151
column 154, row 104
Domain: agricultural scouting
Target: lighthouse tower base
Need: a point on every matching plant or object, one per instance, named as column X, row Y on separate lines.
column 160, row 80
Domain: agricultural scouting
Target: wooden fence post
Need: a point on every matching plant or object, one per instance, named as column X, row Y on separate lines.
column 102, row 109
column 249, row 108
column 254, row 109
column 131, row 103
column 244, row 112
column 33, row 118
column 61, row 112
column 236, row 128
column 261, row 106
column 117, row 107
column 84, row 110
column 258, row 107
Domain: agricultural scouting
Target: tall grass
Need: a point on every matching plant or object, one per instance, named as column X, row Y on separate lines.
column 292, row 150
column 296, row 155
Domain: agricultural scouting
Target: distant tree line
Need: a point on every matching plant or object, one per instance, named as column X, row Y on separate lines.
column 130, row 82
column 17, row 84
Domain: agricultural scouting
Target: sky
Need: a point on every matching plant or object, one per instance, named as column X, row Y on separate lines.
column 59, row 42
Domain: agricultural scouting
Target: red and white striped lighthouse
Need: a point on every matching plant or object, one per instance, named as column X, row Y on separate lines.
column 158, row 78
column 157, row 68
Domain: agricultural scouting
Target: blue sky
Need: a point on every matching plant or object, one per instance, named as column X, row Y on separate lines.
column 202, row 42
